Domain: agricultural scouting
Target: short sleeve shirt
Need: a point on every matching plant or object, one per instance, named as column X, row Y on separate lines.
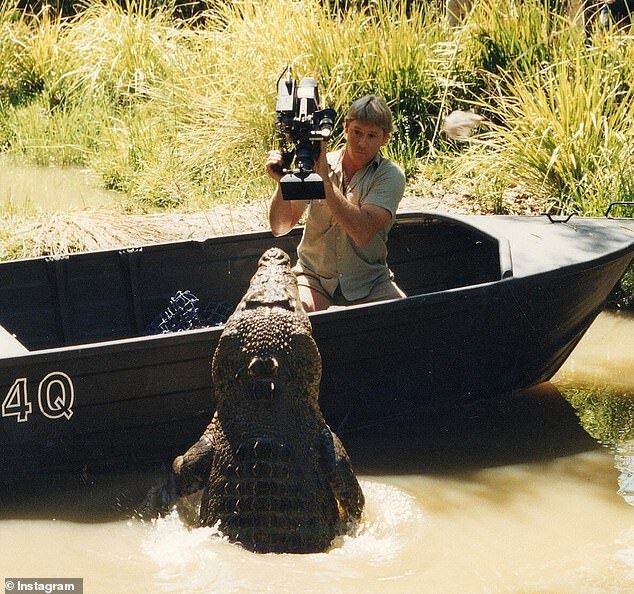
column 328, row 253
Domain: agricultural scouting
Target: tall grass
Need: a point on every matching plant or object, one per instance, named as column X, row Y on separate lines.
column 564, row 135
column 214, row 118
column 229, row 125
column 559, row 112
column 177, row 114
column 27, row 48
column 521, row 36
column 36, row 118
column 77, row 76
column 123, row 51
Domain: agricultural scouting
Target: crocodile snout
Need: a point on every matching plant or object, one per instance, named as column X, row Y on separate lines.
column 263, row 367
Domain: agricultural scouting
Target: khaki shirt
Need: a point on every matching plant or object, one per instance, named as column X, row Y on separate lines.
column 328, row 253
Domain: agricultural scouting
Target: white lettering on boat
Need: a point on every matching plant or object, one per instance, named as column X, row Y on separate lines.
column 60, row 386
column 55, row 396
column 16, row 402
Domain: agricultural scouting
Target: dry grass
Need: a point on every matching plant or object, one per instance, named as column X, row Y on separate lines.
column 58, row 233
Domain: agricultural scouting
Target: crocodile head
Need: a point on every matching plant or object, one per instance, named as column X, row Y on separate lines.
column 266, row 352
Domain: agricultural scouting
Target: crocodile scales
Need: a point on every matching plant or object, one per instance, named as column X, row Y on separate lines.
column 274, row 477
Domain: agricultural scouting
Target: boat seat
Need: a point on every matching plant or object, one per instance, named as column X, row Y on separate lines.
column 10, row 345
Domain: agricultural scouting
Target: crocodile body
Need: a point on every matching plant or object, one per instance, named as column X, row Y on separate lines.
column 274, row 477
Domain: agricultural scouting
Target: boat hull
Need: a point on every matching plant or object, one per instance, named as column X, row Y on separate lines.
column 146, row 399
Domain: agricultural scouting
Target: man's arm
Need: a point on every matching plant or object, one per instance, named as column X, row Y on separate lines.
column 283, row 214
column 360, row 222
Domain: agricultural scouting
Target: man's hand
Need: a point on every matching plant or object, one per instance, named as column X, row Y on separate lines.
column 283, row 214
column 321, row 164
column 274, row 165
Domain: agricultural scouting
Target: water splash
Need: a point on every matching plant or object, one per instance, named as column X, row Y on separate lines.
column 207, row 562
column 388, row 512
column 624, row 463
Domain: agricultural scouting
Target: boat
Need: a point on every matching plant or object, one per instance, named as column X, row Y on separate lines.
column 494, row 304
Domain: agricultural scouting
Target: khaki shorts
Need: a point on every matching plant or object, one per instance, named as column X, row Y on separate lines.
column 381, row 291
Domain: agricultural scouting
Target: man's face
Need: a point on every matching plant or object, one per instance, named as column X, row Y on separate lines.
column 364, row 140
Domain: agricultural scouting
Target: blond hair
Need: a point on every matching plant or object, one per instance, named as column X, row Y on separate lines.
column 372, row 109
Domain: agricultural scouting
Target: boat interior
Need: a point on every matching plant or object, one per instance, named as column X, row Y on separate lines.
column 53, row 302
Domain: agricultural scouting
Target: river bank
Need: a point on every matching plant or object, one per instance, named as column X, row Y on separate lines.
column 168, row 112
column 44, row 232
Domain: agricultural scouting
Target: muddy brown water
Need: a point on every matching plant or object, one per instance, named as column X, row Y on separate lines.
column 506, row 496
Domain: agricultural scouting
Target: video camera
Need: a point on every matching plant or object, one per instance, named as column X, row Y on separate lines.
column 302, row 127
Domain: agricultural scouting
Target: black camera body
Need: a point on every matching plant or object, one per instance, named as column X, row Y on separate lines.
column 302, row 127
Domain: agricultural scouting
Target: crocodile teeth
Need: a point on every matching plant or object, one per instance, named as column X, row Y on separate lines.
column 263, row 389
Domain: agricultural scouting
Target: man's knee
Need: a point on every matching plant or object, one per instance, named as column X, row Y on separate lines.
column 313, row 300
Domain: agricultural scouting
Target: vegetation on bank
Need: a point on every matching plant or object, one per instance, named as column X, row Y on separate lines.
column 177, row 113
column 606, row 413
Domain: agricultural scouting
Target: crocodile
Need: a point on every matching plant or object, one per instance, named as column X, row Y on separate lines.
column 274, row 476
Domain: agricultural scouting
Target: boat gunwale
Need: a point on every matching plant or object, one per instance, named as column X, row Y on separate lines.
column 417, row 301
column 175, row 339
column 196, row 334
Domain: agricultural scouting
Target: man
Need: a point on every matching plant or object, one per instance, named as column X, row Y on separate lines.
column 342, row 258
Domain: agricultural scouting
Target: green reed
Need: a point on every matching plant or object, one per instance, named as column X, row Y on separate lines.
column 564, row 135
column 559, row 110
column 180, row 114
column 215, row 120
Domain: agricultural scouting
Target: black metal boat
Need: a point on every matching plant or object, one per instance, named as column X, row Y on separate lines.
column 495, row 304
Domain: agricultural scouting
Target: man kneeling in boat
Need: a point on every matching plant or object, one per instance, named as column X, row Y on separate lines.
column 342, row 257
